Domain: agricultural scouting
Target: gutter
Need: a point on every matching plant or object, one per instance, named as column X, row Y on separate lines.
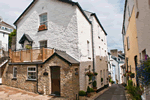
column 4, row 63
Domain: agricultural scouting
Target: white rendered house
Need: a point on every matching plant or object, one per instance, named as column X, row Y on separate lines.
column 5, row 30
column 69, row 28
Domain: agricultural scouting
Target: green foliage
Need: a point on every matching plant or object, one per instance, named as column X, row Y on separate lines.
column 88, row 90
column 92, row 90
column 112, row 82
column 10, row 37
column 101, row 79
column 28, row 47
column 135, row 92
column 94, row 84
column 124, row 84
column 82, row 93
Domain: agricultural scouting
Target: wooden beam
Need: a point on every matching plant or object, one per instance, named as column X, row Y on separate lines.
column 43, row 57
column 31, row 55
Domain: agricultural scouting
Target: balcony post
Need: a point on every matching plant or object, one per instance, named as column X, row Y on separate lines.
column 21, row 56
column 31, row 55
column 43, row 54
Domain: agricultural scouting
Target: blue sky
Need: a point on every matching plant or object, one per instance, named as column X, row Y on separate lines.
column 109, row 12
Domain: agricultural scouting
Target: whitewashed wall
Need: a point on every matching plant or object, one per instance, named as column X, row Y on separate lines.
column 62, row 30
column 4, row 40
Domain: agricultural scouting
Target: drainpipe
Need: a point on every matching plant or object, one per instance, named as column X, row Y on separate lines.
column 93, row 48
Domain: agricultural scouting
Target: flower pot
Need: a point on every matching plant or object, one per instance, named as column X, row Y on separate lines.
column 88, row 94
column 82, row 98
column 95, row 89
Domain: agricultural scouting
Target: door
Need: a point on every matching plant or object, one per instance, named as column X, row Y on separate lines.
column 55, row 80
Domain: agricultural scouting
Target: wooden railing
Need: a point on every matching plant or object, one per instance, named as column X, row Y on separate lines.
column 31, row 55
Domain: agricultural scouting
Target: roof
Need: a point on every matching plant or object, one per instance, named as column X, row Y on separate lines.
column 61, row 54
column 6, row 24
column 88, row 14
column 25, row 37
column 124, row 15
column 64, row 56
column 93, row 14
column 66, row 1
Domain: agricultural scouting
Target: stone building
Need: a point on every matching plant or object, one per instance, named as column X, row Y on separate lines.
column 56, row 75
column 63, row 25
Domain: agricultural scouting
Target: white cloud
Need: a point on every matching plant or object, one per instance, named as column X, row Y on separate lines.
column 109, row 12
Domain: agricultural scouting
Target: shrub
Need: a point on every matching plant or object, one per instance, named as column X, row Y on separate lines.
column 82, row 93
column 92, row 90
column 88, row 90
column 124, row 84
column 94, row 84
column 112, row 82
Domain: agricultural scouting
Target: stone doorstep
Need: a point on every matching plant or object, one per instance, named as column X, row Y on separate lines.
column 97, row 94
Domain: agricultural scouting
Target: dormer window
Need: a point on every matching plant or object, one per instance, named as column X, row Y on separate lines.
column 43, row 22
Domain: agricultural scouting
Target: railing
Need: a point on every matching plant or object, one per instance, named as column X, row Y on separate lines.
column 30, row 55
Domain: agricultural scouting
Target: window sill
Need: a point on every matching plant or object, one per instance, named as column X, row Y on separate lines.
column 42, row 30
column 14, row 78
column 31, row 80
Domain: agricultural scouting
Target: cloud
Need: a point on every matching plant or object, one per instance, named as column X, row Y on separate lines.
column 109, row 12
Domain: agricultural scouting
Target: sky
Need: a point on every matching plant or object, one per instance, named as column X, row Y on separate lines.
column 109, row 12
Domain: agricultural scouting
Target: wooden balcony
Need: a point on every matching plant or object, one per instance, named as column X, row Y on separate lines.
column 31, row 55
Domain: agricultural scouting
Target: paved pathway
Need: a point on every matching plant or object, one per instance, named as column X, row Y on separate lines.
column 10, row 93
column 115, row 92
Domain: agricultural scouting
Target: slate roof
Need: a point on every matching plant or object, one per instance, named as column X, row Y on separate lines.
column 25, row 37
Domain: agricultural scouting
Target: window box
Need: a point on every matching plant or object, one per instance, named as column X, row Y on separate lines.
column 42, row 27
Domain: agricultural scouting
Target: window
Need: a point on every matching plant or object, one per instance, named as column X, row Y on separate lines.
column 31, row 73
column 100, row 50
column 128, row 43
column 10, row 30
column 14, row 72
column 88, row 48
column 43, row 19
column 43, row 44
column 3, row 27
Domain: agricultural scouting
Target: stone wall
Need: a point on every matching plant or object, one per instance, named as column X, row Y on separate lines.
column 69, row 82
column 21, row 81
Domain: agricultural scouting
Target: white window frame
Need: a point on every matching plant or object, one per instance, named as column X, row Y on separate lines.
column 41, row 22
column 14, row 72
column 31, row 71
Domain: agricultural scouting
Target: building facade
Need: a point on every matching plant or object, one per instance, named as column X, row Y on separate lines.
column 5, row 30
column 63, row 25
column 115, row 66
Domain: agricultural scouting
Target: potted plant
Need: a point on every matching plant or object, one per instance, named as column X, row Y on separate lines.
column 89, row 74
column 110, row 80
column 82, row 95
column 132, row 75
column 28, row 47
column 42, row 27
column 94, row 86
column 88, row 92
column 92, row 91
column 95, row 74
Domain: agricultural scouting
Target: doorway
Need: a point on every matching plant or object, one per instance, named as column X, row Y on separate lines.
column 55, row 80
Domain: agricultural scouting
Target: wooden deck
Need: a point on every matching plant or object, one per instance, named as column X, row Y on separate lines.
column 31, row 55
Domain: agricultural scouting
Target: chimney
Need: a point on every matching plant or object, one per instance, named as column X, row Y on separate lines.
column 114, row 52
column 120, row 52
